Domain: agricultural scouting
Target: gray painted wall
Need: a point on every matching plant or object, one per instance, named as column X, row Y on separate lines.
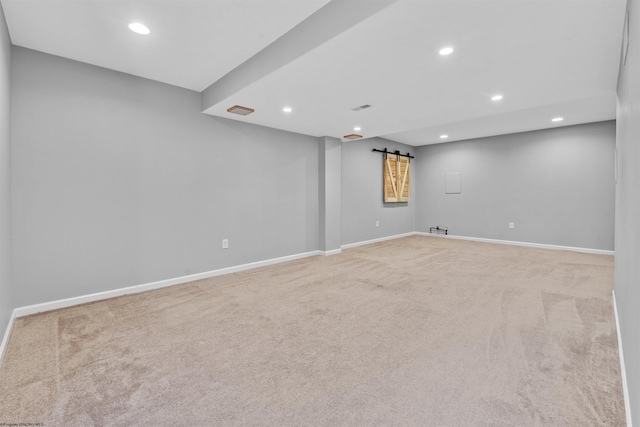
column 362, row 203
column 627, row 265
column 6, row 304
column 121, row 181
column 555, row 185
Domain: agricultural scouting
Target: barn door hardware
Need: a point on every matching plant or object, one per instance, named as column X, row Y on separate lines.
column 396, row 153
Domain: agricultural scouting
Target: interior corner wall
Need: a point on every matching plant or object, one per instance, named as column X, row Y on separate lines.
column 120, row 181
column 6, row 304
column 627, row 265
column 362, row 197
column 556, row 186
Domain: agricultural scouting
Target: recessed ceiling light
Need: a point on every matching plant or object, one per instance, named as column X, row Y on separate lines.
column 287, row 109
column 357, row 128
column 444, row 136
column 139, row 28
column 557, row 119
column 446, row 50
column 496, row 97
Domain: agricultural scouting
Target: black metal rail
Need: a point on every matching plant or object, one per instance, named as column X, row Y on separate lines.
column 395, row 153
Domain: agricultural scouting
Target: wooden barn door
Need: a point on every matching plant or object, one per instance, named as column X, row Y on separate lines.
column 397, row 178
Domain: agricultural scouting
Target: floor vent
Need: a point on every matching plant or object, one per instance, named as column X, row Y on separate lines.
column 362, row 107
column 239, row 109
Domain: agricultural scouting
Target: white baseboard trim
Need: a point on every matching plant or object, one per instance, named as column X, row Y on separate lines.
column 623, row 371
column 380, row 239
column 511, row 242
column 7, row 333
column 331, row 252
column 68, row 302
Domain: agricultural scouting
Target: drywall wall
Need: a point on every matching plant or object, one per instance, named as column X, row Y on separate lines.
column 362, row 203
column 555, row 185
column 627, row 265
column 5, row 174
column 120, row 181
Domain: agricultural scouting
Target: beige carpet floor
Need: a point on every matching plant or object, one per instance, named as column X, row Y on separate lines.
column 419, row 331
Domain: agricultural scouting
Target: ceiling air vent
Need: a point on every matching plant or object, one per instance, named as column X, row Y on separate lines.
column 239, row 109
column 352, row 136
column 362, row 107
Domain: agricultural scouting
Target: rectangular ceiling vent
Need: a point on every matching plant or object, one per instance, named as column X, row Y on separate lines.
column 362, row 107
column 239, row 109
column 352, row 136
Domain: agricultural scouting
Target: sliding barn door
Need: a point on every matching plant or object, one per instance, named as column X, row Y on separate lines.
column 397, row 178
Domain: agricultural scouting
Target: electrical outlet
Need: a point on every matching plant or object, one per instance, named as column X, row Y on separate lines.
column 512, row 225
column 377, row 223
column 225, row 243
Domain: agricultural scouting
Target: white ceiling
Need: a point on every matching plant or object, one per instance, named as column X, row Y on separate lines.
column 192, row 42
column 547, row 58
